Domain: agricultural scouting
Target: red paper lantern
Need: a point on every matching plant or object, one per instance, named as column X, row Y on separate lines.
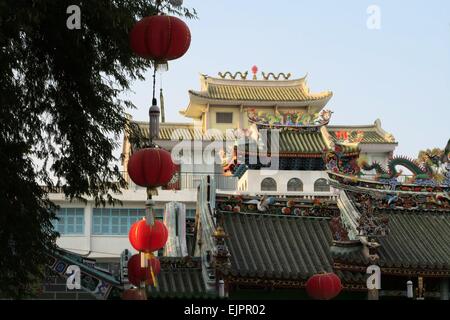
column 323, row 286
column 151, row 167
column 134, row 294
column 148, row 238
column 160, row 38
column 137, row 274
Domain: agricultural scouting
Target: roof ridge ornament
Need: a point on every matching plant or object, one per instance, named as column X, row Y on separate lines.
column 276, row 77
column 239, row 73
column 255, row 71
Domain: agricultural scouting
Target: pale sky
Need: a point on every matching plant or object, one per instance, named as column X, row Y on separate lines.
column 399, row 73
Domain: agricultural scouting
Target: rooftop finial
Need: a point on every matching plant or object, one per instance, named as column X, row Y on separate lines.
column 254, row 71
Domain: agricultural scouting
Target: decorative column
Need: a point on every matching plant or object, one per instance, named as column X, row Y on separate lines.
column 372, row 226
column 221, row 258
column 420, row 290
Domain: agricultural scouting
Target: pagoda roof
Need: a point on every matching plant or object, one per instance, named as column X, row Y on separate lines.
column 313, row 143
column 417, row 240
column 315, row 140
column 259, row 90
column 291, row 142
column 373, row 133
column 280, row 247
column 182, row 131
column 180, row 277
column 289, row 93
column 300, row 142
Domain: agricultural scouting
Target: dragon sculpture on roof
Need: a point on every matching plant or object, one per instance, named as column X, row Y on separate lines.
column 289, row 119
column 431, row 169
column 434, row 169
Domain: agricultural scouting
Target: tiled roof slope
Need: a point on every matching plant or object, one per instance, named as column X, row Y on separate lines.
column 281, row 248
column 180, row 278
column 290, row 141
column 277, row 246
column 373, row 134
column 416, row 240
column 259, row 93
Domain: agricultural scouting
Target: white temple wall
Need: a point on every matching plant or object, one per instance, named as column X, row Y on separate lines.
column 251, row 180
column 109, row 245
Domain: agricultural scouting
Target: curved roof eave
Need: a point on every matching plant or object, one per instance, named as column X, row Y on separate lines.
column 202, row 98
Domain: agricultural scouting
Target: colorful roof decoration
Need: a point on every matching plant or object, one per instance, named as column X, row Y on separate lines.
column 427, row 176
column 372, row 134
column 258, row 90
column 405, row 224
column 343, row 180
column 271, row 205
column 419, row 234
column 288, row 119
column 97, row 282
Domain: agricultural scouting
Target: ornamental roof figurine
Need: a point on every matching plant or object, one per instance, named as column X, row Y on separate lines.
column 219, row 233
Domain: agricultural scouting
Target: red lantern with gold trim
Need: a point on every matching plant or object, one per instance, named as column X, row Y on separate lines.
column 147, row 238
column 160, row 38
column 151, row 167
column 323, row 286
column 137, row 274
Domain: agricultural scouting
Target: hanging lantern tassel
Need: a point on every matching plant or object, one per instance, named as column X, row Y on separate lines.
column 154, row 281
column 149, row 257
column 144, row 261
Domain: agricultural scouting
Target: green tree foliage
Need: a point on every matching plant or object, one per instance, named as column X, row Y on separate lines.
column 60, row 116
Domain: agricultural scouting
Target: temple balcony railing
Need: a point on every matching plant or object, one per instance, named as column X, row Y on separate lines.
column 192, row 180
column 186, row 181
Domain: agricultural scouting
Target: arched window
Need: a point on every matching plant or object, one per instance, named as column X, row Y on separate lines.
column 321, row 185
column 295, row 184
column 268, row 184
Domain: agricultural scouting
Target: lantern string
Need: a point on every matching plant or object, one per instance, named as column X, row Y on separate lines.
column 154, row 86
column 158, row 5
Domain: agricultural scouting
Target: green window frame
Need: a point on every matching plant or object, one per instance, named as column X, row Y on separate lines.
column 70, row 221
column 159, row 213
column 115, row 221
column 190, row 213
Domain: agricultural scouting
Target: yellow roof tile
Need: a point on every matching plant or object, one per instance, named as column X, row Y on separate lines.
column 258, row 93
